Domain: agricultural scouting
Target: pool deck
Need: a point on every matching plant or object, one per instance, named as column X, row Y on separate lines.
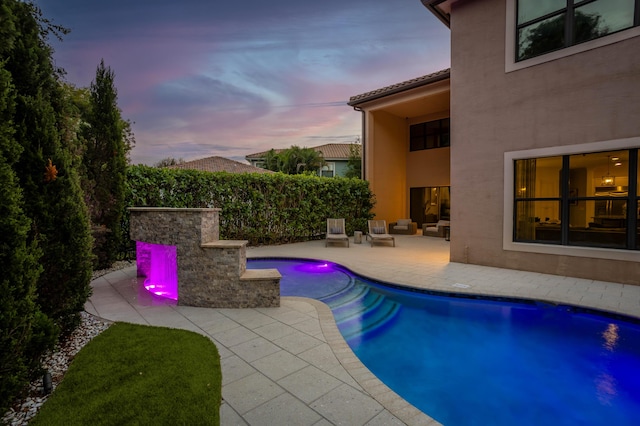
column 290, row 365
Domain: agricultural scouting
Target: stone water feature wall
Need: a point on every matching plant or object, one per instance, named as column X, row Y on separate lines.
column 211, row 272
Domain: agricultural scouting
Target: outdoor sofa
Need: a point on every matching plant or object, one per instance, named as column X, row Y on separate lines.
column 437, row 229
column 403, row 227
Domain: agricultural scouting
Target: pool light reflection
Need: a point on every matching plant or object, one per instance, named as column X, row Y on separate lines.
column 316, row 268
column 610, row 336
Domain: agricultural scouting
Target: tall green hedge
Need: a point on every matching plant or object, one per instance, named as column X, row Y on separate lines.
column 47, row 169
column 261, row 208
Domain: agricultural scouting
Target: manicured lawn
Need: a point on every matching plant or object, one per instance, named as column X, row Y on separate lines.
column 139, row 375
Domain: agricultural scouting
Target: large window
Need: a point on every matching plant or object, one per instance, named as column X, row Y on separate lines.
column 586, row 199
column 544, row 26
column 430, row 204
column 432, row 134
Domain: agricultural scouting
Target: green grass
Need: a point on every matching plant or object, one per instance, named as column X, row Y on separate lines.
column 139, row 375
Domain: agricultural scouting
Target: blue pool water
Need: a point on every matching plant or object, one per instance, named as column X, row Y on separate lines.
column 466, row 361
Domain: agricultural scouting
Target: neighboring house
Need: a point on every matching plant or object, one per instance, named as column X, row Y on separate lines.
column 219, row 164
column 544, row 145
column 336, row 157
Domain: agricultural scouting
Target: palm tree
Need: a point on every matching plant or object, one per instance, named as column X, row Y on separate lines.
column 298, row 160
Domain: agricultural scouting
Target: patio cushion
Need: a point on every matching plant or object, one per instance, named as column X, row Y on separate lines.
column 403, row 222
column 404, row 227
column 378, row 230
column 336, row 230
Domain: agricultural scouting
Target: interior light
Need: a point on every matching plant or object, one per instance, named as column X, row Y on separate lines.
column 608, row 180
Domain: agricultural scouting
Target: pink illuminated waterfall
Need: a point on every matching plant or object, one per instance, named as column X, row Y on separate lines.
column 159, row 264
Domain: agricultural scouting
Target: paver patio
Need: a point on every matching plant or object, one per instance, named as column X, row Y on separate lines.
column 290, row 365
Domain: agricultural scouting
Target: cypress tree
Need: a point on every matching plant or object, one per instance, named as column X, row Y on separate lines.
column 18, row 262
column 105, row 161
column 53, row 199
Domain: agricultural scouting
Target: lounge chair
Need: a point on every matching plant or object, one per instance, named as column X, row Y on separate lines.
column 378, row 232
column 336, row 231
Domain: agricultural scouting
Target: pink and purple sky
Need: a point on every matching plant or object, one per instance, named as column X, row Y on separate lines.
column 229, row 78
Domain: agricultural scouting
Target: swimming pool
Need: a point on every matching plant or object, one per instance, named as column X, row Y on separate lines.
column 474, row 361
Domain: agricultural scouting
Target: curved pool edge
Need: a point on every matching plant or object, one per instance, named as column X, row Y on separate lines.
column 370, row 383
column 469, row 293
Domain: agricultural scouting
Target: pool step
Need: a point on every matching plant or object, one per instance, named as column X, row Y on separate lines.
column 345, row 297
column 361, row 306
column 358, row 310
column 356, row 327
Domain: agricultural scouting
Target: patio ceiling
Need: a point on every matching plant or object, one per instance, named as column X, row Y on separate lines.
column 413, row 104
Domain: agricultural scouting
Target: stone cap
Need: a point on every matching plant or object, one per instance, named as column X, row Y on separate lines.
column 171, row 209
column 226, row 244
column 260, row 274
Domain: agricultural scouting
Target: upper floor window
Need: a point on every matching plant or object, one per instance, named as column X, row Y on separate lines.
column 432, row 134
column 550, row 25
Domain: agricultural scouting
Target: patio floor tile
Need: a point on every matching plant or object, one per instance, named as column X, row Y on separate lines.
column 309, row 383
column 280, row 364
column 255, row 349
column 250, row 392
column 283, row 410
column 347, row 406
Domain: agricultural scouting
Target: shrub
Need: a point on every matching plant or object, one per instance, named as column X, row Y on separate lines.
column 261, row 208
column 45, row 168
column 23, row 335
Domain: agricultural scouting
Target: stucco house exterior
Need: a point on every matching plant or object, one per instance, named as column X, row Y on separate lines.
column 406, row 147
column 543, row 102
column 336, row 157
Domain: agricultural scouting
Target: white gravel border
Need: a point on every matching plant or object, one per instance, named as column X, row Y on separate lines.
column 57, row 362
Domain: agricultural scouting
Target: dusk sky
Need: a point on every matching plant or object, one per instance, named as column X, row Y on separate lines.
column 230, row 78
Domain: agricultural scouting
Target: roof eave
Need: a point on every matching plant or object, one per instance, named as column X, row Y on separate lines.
column 436, row 7
column 436, row 78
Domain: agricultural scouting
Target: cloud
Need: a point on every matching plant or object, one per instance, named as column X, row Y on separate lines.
column 202, row 78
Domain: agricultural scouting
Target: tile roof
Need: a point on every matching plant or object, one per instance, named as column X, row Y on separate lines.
column 330, row 151
column 219, row 164
column 400, row 87
column 334, row 151
column 259, row 155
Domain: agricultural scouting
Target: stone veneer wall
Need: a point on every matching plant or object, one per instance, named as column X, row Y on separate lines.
column 211, row 272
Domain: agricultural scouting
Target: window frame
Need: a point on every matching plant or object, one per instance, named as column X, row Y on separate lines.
column 440, row 133
column 330, row 167
column 508, row 243
column 511, row 28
